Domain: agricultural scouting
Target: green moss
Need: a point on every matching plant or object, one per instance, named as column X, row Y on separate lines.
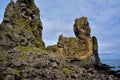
column 1, row 54
column 17, row 72
column 12, row 31
column 23, row 57
column 87, row 59
column 24, row 49
column 29, row 28
column 34, row 8
column 32, row 49
column 67, row 71
column 1, row 61
column 39, row 43
column 20, row 23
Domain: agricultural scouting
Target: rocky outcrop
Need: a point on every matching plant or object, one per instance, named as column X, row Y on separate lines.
column 95, row 51
column 19, row 65
column 79, row 47
column 23, row 55
column 21, row 26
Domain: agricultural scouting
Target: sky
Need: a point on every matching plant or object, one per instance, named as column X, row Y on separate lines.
column 58, row 18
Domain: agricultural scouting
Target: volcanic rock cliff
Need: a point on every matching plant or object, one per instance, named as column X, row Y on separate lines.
column 21, row 26
column 23, row 55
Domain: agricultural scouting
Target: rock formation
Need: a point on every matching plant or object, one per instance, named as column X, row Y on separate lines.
column 21, row 26
column 95, row 51
column 23, row 55
column 80, row 47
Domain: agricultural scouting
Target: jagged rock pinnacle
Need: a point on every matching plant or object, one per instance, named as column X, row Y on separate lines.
column 21, row 25
column 81, row 27
column 95, row 51
column 79, row 47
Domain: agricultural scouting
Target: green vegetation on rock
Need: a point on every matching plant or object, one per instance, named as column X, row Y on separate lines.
column 87, row 59
column 1, row 53
column 17, row 72
column 1, row 58
column 39, row 43
column 32, row 49
column 21, row 23
column 23, row 57
column 13, row 71
column 1, row 63
column 67, row 71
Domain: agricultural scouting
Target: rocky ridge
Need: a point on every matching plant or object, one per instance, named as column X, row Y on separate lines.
column 23, row 55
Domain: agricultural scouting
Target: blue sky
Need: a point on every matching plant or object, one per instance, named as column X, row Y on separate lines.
column 58, row 18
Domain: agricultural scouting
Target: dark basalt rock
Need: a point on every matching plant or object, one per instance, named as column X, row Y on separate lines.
column 96, row 59
column 21, row 26
column 19, row 65
column 23, row 55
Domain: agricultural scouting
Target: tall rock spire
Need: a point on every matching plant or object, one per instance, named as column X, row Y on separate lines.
column 21, row 25
column 95, row 51
column 81, row 27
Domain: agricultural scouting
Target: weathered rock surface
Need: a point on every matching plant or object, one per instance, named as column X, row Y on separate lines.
column 21, row 26
column 20, row 65
column 23, row 55
column 79, row 47
column 96, row 59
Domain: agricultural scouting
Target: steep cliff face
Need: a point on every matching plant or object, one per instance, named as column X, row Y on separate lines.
column 96, row 59
column 80, row 47
column 21, row 26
